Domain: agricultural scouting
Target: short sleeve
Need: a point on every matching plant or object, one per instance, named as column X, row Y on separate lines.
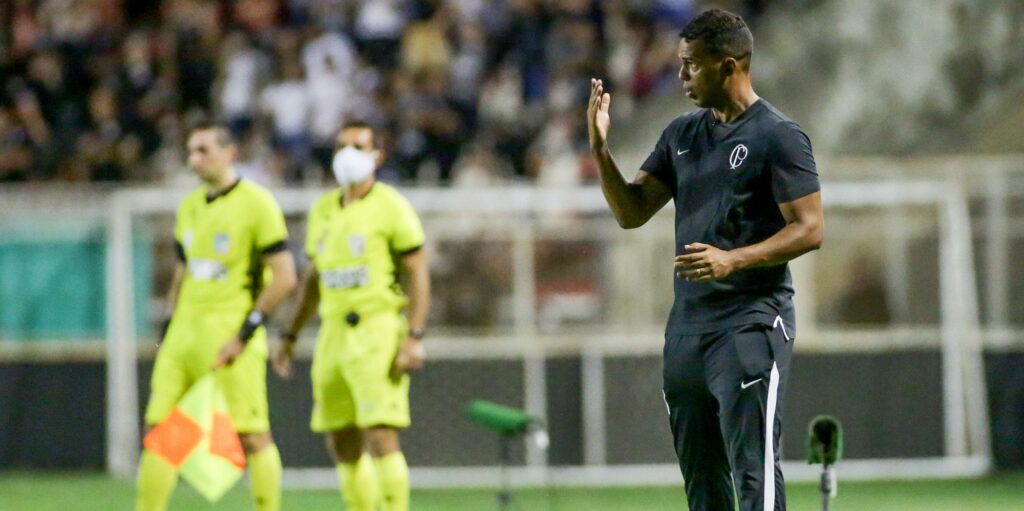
column 179, row 223
column 659, row 162
column 314, row 222
column 407, row 235
column 179, row 231
column 793, row 171
column 271, row 233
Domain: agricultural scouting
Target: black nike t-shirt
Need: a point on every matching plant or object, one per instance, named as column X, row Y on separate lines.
column 727, row 180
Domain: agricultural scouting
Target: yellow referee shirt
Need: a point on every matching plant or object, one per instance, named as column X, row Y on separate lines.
column 356, row 249
column 223, row 240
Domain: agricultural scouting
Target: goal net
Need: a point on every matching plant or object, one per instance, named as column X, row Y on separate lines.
column 542, row 303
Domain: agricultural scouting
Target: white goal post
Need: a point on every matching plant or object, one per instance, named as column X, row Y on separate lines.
column 967, row 449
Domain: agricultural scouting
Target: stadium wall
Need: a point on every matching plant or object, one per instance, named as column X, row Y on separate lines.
column 51, row 414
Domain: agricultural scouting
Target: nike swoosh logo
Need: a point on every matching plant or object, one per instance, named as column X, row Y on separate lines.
column 680, row 153
column 749, row 383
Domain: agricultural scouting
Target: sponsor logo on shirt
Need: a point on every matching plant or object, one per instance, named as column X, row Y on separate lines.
column 321, row 243
column 357, row 244
column 345, row 278
column 221, row 243
column 207, row 270
column 736, row 157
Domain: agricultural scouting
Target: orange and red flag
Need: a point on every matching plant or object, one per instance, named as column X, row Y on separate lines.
column 198, row 439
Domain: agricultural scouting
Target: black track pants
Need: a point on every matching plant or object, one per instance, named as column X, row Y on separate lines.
column 724, row 392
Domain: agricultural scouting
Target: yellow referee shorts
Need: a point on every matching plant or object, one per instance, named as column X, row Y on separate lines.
column 188, row 352
column 352, row 385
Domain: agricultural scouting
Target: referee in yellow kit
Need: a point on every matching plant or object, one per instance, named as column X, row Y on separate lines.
column 359, row 237
column 233, row 269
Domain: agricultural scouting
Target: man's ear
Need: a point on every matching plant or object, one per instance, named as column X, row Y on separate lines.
column 380, row 157
column 729, row 66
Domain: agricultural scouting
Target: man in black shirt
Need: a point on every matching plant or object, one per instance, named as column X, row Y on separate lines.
column 747, row 199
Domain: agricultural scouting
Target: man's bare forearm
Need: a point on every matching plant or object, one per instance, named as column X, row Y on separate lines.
column 271, row 297
column 623, row 197
column 792, row 241
column 309, row 299
column 172, row 292
column 632, row 203
column 803, row 232
column 418, row 289
column 283, row 269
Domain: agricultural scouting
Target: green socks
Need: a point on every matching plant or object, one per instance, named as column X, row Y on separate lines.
column 393, row 472
column 156, row 482
column 359, row 485
column 265, row 476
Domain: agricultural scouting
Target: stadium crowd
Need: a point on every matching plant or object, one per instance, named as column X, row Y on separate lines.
column 466, row 92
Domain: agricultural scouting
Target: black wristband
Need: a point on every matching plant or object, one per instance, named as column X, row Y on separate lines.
column 252, row 321
column 417, row 333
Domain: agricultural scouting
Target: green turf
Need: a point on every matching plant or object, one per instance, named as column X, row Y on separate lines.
column 80, row 492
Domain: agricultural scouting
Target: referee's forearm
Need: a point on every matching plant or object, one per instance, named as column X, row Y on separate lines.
column 282, row 267
column 272, row 296
column 419, row 296
column 309, row 299
column 172, row 292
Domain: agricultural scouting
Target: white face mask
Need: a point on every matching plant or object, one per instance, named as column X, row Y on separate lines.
column 352, row 166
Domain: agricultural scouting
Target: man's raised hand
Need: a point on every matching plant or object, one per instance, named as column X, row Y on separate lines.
column 598, row 120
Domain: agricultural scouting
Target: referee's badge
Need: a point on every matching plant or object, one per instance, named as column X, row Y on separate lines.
column 736, row 157
column 221, row 243
column 357, row 244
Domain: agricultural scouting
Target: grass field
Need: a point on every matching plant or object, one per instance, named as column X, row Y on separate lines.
column 81, row 492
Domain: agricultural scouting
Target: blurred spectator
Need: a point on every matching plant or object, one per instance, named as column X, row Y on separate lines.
column 654, row 63
column 287, row 104
column 257, row 15
column 480, row 166
column 25, row 30
column 330, row 64
column 58, row 103
column 200, row 17
column 466, row 91
column 98, row 144
column 431, row 119
column 257, row 162
column 467, row 70
column 378, row 31
column 242, row 67
column 554, row 160
column 425, row 46
column 16, row 157
column 196, row 71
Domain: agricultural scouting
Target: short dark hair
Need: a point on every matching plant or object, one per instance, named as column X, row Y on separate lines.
column 352, row 124
column 724, row 33
column 224, row 136
column 356, row 123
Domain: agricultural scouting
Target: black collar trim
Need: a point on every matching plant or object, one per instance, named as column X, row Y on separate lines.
column 210, row 198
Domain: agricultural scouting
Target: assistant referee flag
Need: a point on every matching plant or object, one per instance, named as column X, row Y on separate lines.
column 199, row 440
